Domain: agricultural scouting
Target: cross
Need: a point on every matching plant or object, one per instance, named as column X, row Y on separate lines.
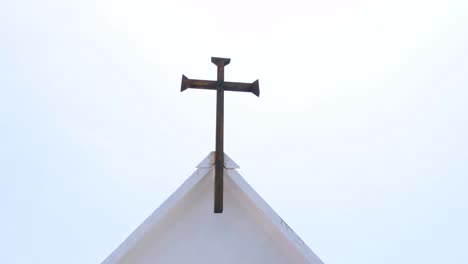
column 220, row 86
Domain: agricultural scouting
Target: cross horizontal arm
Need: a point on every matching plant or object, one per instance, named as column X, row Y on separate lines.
column 227, row 86
column 242, row 87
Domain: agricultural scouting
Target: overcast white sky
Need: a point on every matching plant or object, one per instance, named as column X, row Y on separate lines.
column 358, row 140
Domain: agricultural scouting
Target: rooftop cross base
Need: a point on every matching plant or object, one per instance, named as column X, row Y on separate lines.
column 220, row 86
column 182, row 230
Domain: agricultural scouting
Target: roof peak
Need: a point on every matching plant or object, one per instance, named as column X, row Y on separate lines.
column 209, row 161
column 179, row 217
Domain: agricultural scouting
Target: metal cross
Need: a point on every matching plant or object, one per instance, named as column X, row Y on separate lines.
column 220, row 86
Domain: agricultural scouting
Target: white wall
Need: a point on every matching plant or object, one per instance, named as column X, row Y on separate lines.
column 192, row 233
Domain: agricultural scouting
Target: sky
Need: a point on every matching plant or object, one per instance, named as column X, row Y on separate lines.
column 358, row 139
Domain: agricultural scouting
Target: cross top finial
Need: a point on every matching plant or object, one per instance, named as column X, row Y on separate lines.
column 217, row 60
column 220, row 86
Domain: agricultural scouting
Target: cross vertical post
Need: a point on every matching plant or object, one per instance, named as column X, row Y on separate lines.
column 219, row 154
column 220, row 86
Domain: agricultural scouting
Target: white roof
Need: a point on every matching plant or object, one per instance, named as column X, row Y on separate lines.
column 184, row 228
